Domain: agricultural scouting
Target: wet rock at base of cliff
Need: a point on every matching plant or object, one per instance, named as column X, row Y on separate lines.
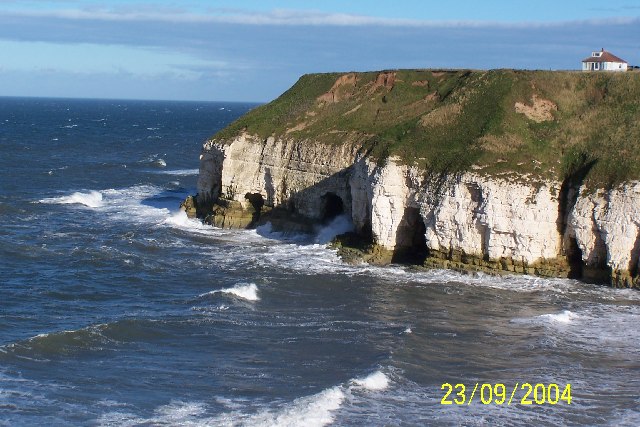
column 355, row 249
column 231, row 214
column 189, row 206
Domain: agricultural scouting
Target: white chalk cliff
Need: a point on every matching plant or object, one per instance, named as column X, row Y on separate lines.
column 468, row 219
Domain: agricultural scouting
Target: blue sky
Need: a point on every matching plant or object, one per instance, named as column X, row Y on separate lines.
column 254, row 50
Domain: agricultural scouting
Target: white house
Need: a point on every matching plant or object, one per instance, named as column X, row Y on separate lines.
column 604, row 61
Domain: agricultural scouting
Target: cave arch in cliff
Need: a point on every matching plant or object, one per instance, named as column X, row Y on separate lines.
column 411, row 242
column 257, row 202
column 574, row 258
column 332, row 206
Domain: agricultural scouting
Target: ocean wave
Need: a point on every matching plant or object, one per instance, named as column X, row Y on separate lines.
column 182, row 221
column 154, row 160
column 565, row 317
column 310, row 411
column 92, row 199
column 246, row 291
column 604, row 327
column 99, row 337
column 376, row 381
column 315, row 410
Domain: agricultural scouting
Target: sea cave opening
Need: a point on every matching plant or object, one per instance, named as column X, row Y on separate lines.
column 332, row 206
column 257, row 202
column 574, row 257
column 411, row 242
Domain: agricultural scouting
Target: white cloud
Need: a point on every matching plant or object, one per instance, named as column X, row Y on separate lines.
column 283, row 17
column 88, row 58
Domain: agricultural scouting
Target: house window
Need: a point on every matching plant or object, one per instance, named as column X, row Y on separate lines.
column 596, row 66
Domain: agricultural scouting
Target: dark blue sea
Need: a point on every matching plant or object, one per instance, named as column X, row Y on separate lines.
column 117, row 310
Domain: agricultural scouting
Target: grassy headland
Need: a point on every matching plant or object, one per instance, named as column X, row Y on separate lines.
column 541, row 124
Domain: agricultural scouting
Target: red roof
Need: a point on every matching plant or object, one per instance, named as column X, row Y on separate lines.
column 605, row 57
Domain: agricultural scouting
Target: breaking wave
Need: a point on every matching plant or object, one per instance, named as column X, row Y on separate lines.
column 92, row 199
column 375, row 382
column 316, row 410
column 246, row 291
column 563, row 318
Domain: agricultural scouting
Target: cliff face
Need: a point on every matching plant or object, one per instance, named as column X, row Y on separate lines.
column 475, row 218
column 293, row 173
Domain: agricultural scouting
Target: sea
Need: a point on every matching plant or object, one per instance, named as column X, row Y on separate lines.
column 118, row 310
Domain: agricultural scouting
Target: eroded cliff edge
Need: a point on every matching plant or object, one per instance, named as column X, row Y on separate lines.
column 529, row 172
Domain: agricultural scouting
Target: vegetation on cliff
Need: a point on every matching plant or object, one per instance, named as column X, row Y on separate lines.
column 549, row 125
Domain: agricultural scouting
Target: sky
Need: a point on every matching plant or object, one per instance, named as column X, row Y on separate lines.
column 253, row 50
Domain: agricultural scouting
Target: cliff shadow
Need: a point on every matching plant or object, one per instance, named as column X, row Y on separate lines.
column 574, row 258
column 320, row 211
column 635, row 257
column 577, row 171
column 269, row 187
column 257, row 202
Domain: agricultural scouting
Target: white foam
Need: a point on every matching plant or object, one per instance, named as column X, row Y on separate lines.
column 266, row 230
column 247, row 291
column 408, row 330
column 310, row 411
column 154, row 160
column 180, row 172
column 92, row 199
column 179, row 413
column 339, row 225
column 374, row 382
column 565, row 317
column 182, row 221
column 125, row 204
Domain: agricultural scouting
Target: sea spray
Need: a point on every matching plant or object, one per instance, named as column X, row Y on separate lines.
column 182, row 221
column 339, row 225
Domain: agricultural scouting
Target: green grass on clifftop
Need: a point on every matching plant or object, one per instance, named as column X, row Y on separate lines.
column 499, row 122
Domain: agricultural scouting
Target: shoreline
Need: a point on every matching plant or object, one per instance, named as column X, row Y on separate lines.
column 354, row 248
